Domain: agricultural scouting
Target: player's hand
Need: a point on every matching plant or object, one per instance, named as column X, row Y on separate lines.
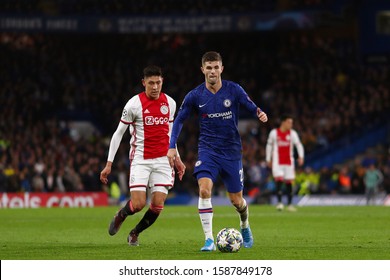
column 262, row 115
column 180, row 167
column 300, row 161
column 105, row 172
column 269, row 164
column 172, row 156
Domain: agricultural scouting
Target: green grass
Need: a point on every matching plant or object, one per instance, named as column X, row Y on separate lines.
column 312, row 233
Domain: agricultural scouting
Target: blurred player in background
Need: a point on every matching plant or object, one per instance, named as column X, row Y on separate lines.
column 217, row 102
column 280, row 157
column 150, row 115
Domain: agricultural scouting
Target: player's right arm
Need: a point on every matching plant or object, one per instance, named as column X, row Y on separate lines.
column 114, row 145
column 127, row 118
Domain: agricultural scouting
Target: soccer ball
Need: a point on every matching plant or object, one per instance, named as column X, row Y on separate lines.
column 229, row 240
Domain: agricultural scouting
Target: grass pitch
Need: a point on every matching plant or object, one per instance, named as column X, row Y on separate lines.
column 312, row 233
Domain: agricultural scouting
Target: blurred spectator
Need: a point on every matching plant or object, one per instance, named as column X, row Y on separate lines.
column 372, row 179
column 308, row 181
column 357, row 179
column 344, row 181
column 3, row 180
column 325, row 180
column 38, row 184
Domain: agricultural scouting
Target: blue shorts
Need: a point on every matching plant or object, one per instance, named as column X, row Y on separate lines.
column 231, row 171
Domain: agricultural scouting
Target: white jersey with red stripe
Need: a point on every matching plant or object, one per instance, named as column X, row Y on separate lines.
column 150, row 124
column 280, row 149
column 280, row 146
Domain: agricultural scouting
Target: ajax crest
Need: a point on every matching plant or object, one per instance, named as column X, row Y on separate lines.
column 164, row 109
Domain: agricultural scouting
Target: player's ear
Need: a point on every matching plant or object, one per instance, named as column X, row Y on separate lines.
column 222, row 68
column 201, row 69
column 143, row 82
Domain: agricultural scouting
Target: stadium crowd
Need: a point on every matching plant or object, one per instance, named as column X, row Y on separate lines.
column 50, row 81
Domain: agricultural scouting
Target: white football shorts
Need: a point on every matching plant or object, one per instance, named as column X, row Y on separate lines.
column 285, row 172
column 155, row 173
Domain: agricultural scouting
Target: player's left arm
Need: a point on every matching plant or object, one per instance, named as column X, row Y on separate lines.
column 172, row 111
column 179, row 165
column 262, row 115
column 298, row 145
column 247, row 102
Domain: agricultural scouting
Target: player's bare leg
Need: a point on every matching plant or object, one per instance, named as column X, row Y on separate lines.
column 242, row 209
column 150, row 216
column 134, row 205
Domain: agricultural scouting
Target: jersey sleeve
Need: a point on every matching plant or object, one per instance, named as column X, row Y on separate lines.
column 183, row 113
column 172, row 108
column 297, row 143
column 127, row 113
column 246, row 101
column 172, row 111
column 270, row 143
column 116, row 141
column 127, row 118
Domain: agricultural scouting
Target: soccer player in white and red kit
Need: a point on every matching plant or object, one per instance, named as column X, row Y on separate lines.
column 149, row 116
column 280, row 157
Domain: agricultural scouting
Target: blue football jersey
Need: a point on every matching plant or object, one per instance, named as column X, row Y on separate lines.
column 218, row 118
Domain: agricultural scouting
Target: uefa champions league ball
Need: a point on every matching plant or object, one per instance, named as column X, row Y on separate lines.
column 229, row 240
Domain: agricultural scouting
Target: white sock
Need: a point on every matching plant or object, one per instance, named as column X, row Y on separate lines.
column 206, row 216
column 243, row 213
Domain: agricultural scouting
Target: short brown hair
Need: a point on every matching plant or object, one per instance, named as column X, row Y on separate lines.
column 211, row 56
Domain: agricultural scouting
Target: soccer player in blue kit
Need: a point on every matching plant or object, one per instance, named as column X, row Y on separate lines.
column 217, row 102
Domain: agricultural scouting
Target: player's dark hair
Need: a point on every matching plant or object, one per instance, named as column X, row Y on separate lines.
column 152, row 70
column 211, row 56
column 285, row 117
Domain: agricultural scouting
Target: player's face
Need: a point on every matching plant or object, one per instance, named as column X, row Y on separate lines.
column 287, row 124
column 212, row 71
column 153, row 86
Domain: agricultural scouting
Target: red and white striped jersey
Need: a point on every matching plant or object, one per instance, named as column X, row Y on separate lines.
column 280, row 146
column 150, row 124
